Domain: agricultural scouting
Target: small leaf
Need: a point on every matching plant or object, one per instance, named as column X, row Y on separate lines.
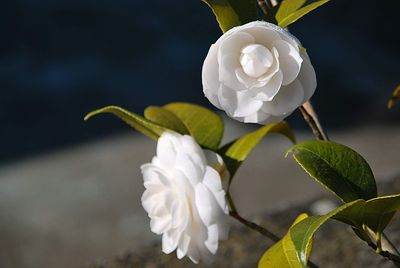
column 338, row 168
column 165, row 118
column 395, row 97
column 277, row 257
column 379, row 212
column 205, row 126
column 139, row 123
column 231, row 13
column 290, row 11
column 235, row 152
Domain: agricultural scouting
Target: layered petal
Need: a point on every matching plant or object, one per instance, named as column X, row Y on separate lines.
column 184, row 198
column 259, row 65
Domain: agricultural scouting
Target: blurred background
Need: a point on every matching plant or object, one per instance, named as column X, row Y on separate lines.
column 70, row 190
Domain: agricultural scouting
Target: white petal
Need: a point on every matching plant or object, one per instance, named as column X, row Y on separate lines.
column 166, row 148
column 273, row 69
column 193, row 253
column 159, row 226
column 258, row 117
column 263, row 35
column 289, row 60
column 233, row 44
column 238, row 103
column 205, row 204
column 212, row 239
column 269, row 91
column 183, row 246
column 307, row 78
column 286, row 101
column 248, row 81
column 210, row 76
column 227, row 76
column 170, row 241
column 213, row 182
column 192, row 171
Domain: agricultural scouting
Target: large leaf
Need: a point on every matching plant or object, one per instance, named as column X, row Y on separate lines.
column 235, row 152
column 375, row 213
column 139, row 123
column 205, row 126
column 231, row 13
column 395, row 97
column 338, row 168
column 290, row 11
column 165, row 118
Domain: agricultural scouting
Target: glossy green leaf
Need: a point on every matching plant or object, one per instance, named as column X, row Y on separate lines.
column 205, row 126
column 235, row 152
column 282, row 252
column 379, row 211
column 337, row 167
column 395, row 97
column 139, row 123
column 294, row 249
column 375, row 213
column 165, row 118
column 290, row 11
column 231, row 13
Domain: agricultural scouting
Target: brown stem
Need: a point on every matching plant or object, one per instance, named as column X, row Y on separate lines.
column 263, row 5
column 392, row 257
column 312, row 121
column 254, row 226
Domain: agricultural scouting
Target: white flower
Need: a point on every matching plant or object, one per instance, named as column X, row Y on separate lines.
column 258, row 73
column 184, row 198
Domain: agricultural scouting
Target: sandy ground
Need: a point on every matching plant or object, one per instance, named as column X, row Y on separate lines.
column 71, row 207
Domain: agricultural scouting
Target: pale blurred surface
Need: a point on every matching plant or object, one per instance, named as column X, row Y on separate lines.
column 71, row 207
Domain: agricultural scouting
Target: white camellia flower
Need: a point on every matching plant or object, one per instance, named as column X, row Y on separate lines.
column 184, row 197
column 258, row 73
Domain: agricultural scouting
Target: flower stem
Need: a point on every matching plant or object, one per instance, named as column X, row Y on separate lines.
column 310, row 116
column 392, row 257
column 264, row 5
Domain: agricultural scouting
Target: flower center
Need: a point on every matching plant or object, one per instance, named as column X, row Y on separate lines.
column 255, row 60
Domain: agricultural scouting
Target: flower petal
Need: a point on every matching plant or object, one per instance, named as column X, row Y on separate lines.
column 307, row 78
column 227, row 76
column 264, row 35
column 286, row 101
column 289, row 60
column 269, row 91
column 238, row 103
column 233, row 44
column 210, row 76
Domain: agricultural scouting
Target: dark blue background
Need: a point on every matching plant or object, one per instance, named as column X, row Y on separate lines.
column 61, row 59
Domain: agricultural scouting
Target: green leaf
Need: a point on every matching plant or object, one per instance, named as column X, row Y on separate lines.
column 379, row 212
column 338, row 168
column 205, row 126
column 290, row 11
column 294, row 249
column 165, row 118
column 395, row 97
column 139, row 123
column 302, row 233
column 235, row 152
column 231, row 13
column 282, row 252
